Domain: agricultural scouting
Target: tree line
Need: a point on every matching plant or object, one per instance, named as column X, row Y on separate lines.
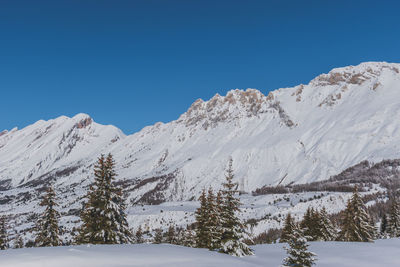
column 217, row 226
column 104, row 220
column 355, row 225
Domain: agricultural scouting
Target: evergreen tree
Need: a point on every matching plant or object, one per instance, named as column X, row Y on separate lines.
column 394, row 219
column 356, row 225
column 188, row 238
column 3, row 233
column 219, row 203
column 327, row 230
column 158, row 236
column 298, row 254
column 213, row 223
column 18, row 243
column 287, row 229
column 139, row 235
column 104, row 218
column 202, row 216
column 310, row 224
column 48, row 231
column 232, row 228
column 384, row 224
column 171, row 238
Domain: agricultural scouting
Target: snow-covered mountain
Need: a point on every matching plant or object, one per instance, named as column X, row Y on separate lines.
column 301, row 134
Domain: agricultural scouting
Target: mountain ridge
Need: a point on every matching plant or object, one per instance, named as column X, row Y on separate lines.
column 299, row 134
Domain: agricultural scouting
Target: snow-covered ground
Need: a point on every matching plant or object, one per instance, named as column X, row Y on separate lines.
column 330, row 254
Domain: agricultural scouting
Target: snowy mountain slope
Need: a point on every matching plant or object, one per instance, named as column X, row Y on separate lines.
column 47, row 145
column 300, row 134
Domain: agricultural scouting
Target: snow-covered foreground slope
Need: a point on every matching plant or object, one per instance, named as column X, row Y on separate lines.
column 330, row 254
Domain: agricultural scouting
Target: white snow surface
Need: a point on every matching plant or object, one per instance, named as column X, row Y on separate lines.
column 382, row 253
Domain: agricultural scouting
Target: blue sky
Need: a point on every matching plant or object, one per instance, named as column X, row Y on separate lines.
column 133, row 63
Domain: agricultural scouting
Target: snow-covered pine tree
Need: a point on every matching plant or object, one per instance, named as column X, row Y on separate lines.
column 219, row 203
column 356, row 225
column 48, row 232
column 213, row 223
column 139, row 235
column 3, row 233
column 202, row 216
column 158, row 236
column 298, row 254
column 18, row 242
column 287, row 228
column 232, row 228
column 327, row 230
column 171, row 238
column 383, row 228
column 309, row 224
column 188, row 238
column 393, row 227
column 104, row 218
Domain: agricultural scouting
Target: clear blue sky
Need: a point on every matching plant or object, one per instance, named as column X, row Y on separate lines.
column 133, row 63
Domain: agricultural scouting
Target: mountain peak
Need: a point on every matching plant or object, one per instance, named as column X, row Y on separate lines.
column 356, row 74
column 82, row 120
column 236, row 103
column 81, row 116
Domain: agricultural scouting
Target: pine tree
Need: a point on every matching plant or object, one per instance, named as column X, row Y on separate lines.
column 356, row 225
column 327, row 230
column 3, row 233
column 213, row 224
column 158, row 236
column 394, row 219
column 139, row 235
column 298, row 254
column 48, row 231
column 309, row 224
column 384, row 224
column 202, row 216
column 19, row 242
column 188, row 238
column 219, row 203
column 171, row 238
column 287, row 229
column 104, row 218
column 232, row 228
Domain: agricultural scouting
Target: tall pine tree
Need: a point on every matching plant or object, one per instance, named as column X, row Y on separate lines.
column 287, row 228
column 327, row 230
column 3, row 233
column 232, row 228
column 356, row 225
column 104, row 218
column 383, row 228
column 310, row 224
column 393, row 227
column 213, row 223
column 202, row 216
column 48, row 234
